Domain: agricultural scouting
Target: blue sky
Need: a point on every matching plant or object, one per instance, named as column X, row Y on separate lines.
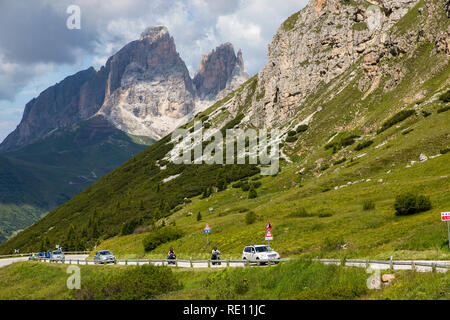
column 37, row 50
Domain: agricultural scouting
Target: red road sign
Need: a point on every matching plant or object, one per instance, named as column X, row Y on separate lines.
column 269, row 235
column 445, row 216
column 207, row 229
column 268, row 226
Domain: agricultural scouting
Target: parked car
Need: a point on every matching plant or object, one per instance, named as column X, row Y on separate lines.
column 104, row 256
column 256, row 253
column 57, row 255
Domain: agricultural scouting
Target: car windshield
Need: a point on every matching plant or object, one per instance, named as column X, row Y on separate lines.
column 104, row 253
column 57, row 252
column 261, row 249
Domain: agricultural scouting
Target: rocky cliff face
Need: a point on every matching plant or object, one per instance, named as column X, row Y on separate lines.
column 148, row 91
column 144, row 89
column 318, row 44
column 221, row 71
column 329, row 37
column 57, row 106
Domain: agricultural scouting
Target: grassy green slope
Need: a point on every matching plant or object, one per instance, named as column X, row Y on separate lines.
column 291, row 280
column 43, row 175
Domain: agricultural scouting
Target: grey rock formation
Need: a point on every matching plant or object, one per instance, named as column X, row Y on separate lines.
column 57, row 106
column 148, row 90
column 221, row 71
column 318, row 44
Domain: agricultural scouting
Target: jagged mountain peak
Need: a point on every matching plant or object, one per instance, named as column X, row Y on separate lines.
column 154, row 32
column 219, row 70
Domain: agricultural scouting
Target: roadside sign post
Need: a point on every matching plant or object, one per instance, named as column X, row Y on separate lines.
column 445, row 216
column 268, row 235
column 207, row 230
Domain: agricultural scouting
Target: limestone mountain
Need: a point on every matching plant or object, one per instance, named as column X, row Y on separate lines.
column 59, row 106
column 221, row 71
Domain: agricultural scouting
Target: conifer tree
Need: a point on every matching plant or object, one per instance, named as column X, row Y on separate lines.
column 252, row 192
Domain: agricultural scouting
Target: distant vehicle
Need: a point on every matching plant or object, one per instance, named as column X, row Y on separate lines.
column 57, row 255
column 38, row 256
column 171, row 256
column 104, row 256
column 256, row 253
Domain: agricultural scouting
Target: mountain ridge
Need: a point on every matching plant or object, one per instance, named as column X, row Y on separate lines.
column 147, row 66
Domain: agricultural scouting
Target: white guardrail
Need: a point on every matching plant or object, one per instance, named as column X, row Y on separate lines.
column 382, row 264
column 29, row 254
column 172, row 262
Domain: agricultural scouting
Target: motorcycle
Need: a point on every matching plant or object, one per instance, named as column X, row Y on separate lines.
column 216, row 256
column 170, row 257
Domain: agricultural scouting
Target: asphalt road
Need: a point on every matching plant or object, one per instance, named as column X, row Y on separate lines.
column 7, row 261
column 82, row 260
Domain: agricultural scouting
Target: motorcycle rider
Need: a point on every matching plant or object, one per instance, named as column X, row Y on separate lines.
column 215, row 254
column 171, row 254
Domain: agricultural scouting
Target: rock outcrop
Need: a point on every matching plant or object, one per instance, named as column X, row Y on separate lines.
column 221, row 71
column 57, row 106
column 316, row 45
column 149, row 91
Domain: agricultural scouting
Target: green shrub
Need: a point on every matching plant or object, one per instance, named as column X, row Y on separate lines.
column 237, row 184
column 398, row 117
column 363, row 145
column 443, row 109
column 344, row 141
column 324, row 213
column 445, row 97
column 339, row 161
column 245, row 186
column 444, row 151
column 133, row 283
column 292, row 133
column 324, row 167
column 199, row 216
column 130, row 226
column 300, row 213
column 291, row 139
column 409, row 203
column 332, row 243
column 257, row 184
column 302, row 128
column 368, row 205
column 160, row 236
column 252, row 192
column 250, row 217
column 425, row 113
